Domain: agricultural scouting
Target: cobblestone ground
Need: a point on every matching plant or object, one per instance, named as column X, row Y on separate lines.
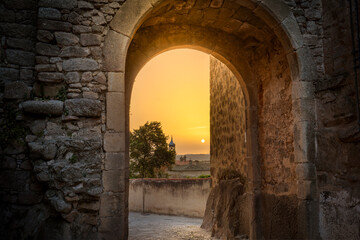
column 163, row 227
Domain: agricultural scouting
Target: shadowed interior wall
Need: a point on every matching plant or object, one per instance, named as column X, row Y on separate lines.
column 337, row 134
column 228, row 216
column 227, row 124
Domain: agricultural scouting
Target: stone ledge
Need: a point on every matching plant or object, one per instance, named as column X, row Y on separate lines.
column 51, row 107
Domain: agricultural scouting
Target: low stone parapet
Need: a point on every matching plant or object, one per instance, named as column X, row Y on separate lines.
column 181, row 197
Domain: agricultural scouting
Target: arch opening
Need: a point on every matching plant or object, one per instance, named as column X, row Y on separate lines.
column 228, row 137
column 254, row 40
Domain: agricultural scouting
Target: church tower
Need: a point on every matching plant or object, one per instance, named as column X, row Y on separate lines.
column 172, row 144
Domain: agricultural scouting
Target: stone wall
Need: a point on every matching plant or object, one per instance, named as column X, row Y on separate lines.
column 337, row 133
column 20, row 193
column 63, row 83
column 229, row 150
column 52, row 79
column 276, row 146
column 226, row 214
column 180, row 197
column 227, row 124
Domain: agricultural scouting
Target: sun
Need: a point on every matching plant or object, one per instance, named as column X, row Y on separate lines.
column 202, row 140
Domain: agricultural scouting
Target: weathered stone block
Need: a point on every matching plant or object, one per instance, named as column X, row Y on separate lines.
column 75, row 18
column 85, row 5
column 349, row 134
column 97, row 29
column 114, row 142
column 96, row 52
column 88, row 39
column 112, row 204
column 42, row 60
column 23, row 44
column 99, row 20
column 86, row 77
column 51, row 107
column 304, row 144
column 80, row 64
column 132, row 16
column 304, row 109
column 115, row 51
column 6, row 15
column 81, row 29
column 113, row 226
column 116, row 82
column 37, row 128
column 90, row 95
column 72, row 77
column 51, row 77
column 307, row 66
column 54, row 25
column 45, row 36
column 58, row 4
column 60, row 205
column 16, row 90
column 47, row 152
column 47, row 49
column 66, row 39
column 49, row 13
column 83, row 107
column 308, row 219
column 116, row 161
column 114, row 181
column 20, row 57
column 307, row 190
column 9, row 74
column 100, row 78
column 41, row 89
column 26, row 74
column 302, row 90
column 89, row 206
column 17, row 30
column 216, row 3
column 46, row 67
column 115, row 111
column 74, row 51
column 305, row 171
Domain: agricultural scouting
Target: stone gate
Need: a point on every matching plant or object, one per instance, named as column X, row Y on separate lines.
column 67, row 71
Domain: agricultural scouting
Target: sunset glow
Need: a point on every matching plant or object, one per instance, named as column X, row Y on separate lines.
column 173, row 88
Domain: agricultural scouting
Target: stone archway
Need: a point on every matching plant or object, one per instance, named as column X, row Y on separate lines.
column 138, row 20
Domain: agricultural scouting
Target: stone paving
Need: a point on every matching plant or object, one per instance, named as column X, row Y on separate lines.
column 164, row 227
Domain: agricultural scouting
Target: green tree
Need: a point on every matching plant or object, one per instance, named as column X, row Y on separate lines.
column 149, row 154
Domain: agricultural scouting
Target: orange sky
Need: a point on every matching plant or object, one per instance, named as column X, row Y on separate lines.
column 173, row 88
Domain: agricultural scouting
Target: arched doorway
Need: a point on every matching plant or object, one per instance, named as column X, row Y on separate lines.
column 262, row 45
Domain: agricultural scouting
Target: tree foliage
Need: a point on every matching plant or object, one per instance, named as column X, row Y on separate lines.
column 149, row 154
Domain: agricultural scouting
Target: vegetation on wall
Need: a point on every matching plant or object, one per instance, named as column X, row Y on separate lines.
column 149, row 153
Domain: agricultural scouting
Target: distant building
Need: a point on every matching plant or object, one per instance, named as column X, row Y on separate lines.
column 183, row 158
column 172, row 144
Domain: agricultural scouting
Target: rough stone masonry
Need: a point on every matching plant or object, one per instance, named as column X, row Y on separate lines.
column 285, row 139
